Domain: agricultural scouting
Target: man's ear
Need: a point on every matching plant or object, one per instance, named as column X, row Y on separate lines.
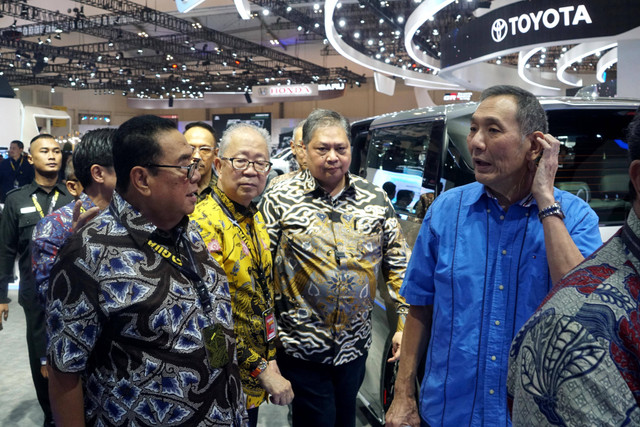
column 29, row 158
column 139, row 180
column 97, row 173
column 217, row 163
column 634, row 176
column 535, row 150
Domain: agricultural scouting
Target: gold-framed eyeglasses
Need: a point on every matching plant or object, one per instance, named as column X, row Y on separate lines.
column 191, row 169
column 242, row 164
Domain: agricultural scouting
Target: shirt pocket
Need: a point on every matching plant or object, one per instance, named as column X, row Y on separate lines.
column 26, row 221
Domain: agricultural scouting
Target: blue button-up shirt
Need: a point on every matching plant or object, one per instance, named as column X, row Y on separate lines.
column 485, row 272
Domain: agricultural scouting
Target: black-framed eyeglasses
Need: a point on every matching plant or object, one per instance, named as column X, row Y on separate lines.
column 191, row 169
column 242, row 164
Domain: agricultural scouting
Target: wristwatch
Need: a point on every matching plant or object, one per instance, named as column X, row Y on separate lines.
column 552, row 210
column 262, row 366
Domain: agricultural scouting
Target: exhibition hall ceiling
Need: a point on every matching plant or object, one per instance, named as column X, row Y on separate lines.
column 146, row 48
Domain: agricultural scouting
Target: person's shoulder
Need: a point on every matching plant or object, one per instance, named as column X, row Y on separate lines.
column 18, row 194
column 469, row 192
column 569, row 200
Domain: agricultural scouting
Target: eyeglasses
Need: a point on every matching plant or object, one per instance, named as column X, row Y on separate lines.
column 191, row 169
column 243, row 164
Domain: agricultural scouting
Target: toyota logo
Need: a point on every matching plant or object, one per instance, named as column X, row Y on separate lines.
column 499, row 30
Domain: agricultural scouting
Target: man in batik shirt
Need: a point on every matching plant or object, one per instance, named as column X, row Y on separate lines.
column 331, row 233
column 575, row 362
column 139, row 315
column 235, row 235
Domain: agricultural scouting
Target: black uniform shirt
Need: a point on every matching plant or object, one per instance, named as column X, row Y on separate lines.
column 19, row 217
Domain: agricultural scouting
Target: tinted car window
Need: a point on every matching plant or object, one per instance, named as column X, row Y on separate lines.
column 593, row 159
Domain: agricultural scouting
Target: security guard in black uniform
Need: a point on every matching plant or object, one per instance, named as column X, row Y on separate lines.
column 24, row 207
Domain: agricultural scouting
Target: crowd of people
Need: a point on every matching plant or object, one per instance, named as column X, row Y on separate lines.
column 166, row 280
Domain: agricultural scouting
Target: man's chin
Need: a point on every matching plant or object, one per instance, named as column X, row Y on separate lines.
column 49, row 173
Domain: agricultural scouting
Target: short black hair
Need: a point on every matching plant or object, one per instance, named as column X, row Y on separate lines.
column 530, row 116
column 135, row 144
column 40, row 136
column 95, row 148
column 19, row 143
column 203, row 125
column 321, row 118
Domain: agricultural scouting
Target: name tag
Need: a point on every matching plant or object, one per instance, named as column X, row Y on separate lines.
column 28, row 209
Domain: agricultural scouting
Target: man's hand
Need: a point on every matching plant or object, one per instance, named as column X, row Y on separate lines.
column 80, row 219
column 396, row 342
column 4, row 313
column 276, row 385
column 545, row 173
column 402, row 412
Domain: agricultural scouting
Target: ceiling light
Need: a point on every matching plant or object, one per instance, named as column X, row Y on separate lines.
column 400, row 19
column 265, row 12
column 356, row 35
column 342, row 23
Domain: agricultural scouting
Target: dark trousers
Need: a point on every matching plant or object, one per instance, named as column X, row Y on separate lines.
column 253, row 416
column 325, row 395
column 36, row 344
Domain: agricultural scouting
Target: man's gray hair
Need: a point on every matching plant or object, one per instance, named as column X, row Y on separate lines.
column 321, row 119
column 530, row 115
column 241, row 127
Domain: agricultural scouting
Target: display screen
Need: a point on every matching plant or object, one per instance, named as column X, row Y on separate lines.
column 222, row 121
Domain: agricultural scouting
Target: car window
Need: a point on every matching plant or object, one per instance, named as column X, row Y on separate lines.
column 405, row 160
column 593, row 159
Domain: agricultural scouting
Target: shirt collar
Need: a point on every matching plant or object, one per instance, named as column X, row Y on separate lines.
column 138, row 226
column 479, row 190
column 310, row 184
column 236, row 208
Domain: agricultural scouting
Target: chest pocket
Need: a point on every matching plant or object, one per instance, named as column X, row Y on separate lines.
column 26, row 224
column 28, row 220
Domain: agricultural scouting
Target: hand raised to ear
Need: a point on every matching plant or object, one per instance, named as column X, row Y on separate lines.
column 542, row 187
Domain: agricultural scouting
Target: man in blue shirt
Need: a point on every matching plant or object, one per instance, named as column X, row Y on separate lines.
column 486, row 256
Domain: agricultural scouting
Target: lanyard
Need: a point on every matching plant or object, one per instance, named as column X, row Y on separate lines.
column 256, row 254
column 20, row 165
column 54, row 199
column 190, row 272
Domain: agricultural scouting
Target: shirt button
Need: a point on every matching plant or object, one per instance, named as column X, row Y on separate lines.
column 488, row 210
column 504, row 252
column 493, row 358
column 491, row 391
column 501, row 287
column 527, row 214
column 497, row 322
column 501, row 217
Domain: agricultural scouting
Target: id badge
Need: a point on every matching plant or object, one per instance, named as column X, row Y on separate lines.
column 216, row 345
column 270, row 327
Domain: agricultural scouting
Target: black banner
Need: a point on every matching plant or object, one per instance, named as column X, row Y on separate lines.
column 538, row 22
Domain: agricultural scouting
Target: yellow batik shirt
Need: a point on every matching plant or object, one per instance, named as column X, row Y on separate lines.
column 238, row 247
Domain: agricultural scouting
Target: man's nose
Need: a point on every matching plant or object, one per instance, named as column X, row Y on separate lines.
column 195, row 154
column 476, row 141
column 332, row 155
